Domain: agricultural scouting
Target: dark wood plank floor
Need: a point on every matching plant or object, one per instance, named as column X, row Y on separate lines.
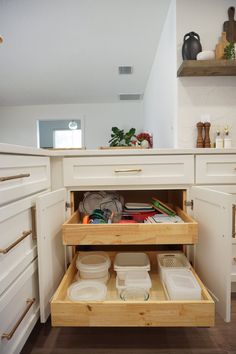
column 220, row 339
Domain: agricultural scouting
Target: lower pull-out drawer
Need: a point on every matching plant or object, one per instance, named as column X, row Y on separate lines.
column 158, row 311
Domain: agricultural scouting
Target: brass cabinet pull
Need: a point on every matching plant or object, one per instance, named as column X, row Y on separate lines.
column 233, row 221
column 7, row 178
column 9, row 335
column 24, row 235
column 129, row 170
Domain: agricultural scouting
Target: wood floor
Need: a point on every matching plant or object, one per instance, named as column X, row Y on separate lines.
column 220, row 339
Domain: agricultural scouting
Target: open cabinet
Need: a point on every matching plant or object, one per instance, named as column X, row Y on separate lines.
column 158, row 310
column 214, row 210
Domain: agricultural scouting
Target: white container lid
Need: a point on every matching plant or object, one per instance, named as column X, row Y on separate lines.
column 93, row 262
column 131, row 261
column 181, row 284
column 87, row 291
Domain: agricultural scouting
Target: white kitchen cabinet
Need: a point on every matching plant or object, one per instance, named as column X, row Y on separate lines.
column 216, row 169
column 22, row 180
column 118, row 171
column 214, row 209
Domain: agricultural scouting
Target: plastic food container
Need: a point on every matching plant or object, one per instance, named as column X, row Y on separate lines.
column 171, row 260
column 134, row 294
column 87, row 291
column 134, row 279
column 103, row 280
column 182, row 285
column 130, row 261
column 93, row 265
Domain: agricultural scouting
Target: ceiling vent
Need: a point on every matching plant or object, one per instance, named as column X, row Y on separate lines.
column 130, row 96
column 125, row 70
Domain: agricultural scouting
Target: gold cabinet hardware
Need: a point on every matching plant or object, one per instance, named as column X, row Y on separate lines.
column 233, row 221
column 7, row 178
column 21, row 238
column 10, row 334
column 128, row 170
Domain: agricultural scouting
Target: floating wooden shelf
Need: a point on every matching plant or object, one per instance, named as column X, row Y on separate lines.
column 207, row 68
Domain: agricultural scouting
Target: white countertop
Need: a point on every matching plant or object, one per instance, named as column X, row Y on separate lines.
column 26, row 150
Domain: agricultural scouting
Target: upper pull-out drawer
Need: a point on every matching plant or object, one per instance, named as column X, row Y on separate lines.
column 22, row 175
column 213, row 169
column 75, row 233
column 128, row 170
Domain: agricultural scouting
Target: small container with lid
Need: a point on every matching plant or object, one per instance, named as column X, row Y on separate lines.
column 93, row 265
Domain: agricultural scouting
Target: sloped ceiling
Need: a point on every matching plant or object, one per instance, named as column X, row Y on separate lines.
column 68, row 51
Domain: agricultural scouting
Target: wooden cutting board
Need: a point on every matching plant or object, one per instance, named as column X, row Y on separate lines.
column 221, row 46
column 230, row 26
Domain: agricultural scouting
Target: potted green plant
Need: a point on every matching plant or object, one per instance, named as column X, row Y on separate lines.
column 121, row 138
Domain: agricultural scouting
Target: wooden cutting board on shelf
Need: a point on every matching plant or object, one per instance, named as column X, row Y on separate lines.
column 221, row 46
column 229, row 27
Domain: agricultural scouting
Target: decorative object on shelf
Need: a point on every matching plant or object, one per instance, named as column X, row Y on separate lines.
column 191, row 46
column 229, row 27
column 227, row 138
column 120, row 138
column 220, row 47
column 206, row 55
column 219, row 140
column 200, row 127
column 229, row 51
column 206, row 140
column 145, row 140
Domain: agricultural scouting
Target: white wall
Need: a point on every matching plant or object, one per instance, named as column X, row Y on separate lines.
column 160, row 93
column 198, row 96
column 18, row 125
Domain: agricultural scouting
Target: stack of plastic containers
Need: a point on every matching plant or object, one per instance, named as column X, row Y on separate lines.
column 93, row 274
column 132, row 281
column 175, row 272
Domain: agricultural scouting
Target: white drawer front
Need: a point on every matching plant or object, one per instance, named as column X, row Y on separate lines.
column 22, row 175
column 19, row 304
column 213, row 169
column 17, row 246
column 128, row 170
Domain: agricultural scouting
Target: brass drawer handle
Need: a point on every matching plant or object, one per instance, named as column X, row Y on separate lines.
column 24, row 235
column 129, row 170
column 9, row 335
column 233, row 221
column 7, row 178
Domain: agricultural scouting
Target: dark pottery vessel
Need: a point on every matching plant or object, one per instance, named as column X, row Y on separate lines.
column 191, row 46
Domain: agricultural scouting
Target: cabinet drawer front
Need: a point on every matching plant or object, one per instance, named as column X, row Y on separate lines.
column 75, row 233
column 17, row 244
column 158, row 311
column 212, row 169
column 128, row 170
column 19, row 310
column 22, row 175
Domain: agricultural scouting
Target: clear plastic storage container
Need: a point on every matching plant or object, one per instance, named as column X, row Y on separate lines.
column 130, row 261
column 171, row 260
column 182, row 285
column 93, row 265
column 134, row 279
column 87, row 291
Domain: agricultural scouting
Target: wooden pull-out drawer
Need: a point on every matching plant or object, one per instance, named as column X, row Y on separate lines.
column 158, row 311
column 75, row 233
column 128, row 170
column 216, row 169
column 22, row 175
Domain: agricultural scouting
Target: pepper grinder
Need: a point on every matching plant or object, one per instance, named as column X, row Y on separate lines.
column 200, row 127
column 207, row 141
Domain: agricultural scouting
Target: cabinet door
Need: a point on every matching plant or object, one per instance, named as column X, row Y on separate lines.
column 50, row 212
column 213, row 253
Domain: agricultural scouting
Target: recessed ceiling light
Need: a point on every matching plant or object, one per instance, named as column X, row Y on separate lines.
column 130, row 96
column 125, row 70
